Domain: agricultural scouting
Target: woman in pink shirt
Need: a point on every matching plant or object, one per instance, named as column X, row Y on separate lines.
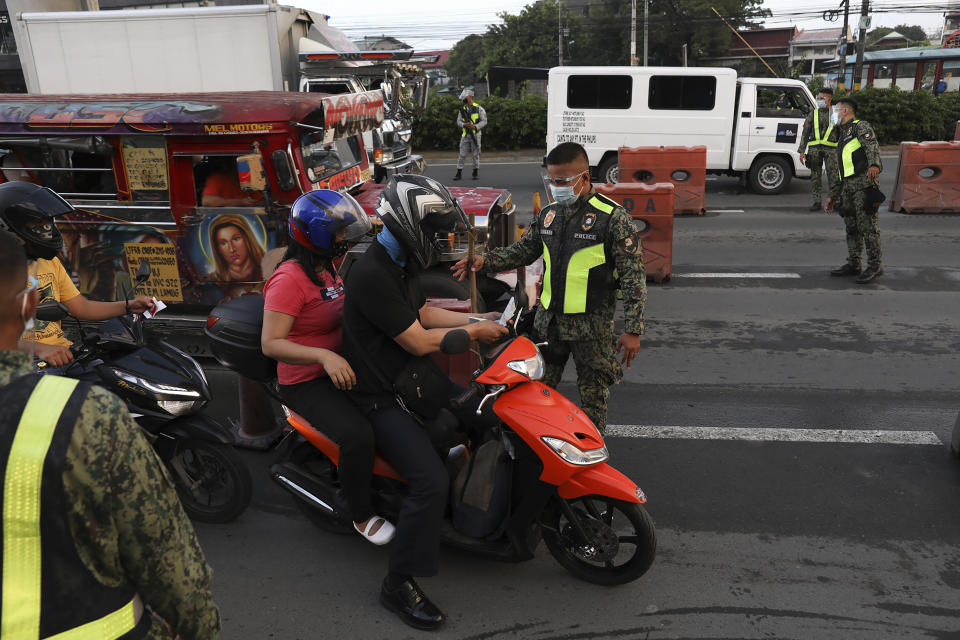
column 302, row 317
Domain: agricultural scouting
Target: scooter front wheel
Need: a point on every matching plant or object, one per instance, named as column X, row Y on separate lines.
column 211, row 480
column 599, row 539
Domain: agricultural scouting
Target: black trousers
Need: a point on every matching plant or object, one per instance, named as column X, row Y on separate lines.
column 332, row 412
column 415, row 551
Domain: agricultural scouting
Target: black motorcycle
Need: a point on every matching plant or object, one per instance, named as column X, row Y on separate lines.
column 165, row 391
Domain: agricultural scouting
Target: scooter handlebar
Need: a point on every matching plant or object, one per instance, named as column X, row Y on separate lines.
column 472, row 393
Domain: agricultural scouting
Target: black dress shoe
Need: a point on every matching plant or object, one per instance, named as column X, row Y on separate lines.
column 869, row 274
column 459, row 175
column 816, row 206
column 846, row 270
column 412, row 605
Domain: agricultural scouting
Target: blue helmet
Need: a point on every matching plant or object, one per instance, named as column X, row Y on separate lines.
column 317, row 219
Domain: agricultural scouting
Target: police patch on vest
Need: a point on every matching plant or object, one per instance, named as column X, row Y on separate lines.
column 548, row 219
column 589, row 219
column 630, row 244
column 585, row 236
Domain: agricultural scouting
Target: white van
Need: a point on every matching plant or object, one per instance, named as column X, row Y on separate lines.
column 750, row 126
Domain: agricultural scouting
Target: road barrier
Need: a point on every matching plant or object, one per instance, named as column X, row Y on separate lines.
column 684, row 167
column 652, row 207
column 928, row 178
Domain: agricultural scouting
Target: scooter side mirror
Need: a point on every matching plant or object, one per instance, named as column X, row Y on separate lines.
column 523, row 300
column 52, row 311
column 455, row 341
column 143, row 272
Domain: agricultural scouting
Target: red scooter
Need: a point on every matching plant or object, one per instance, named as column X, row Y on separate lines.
column 538, row 470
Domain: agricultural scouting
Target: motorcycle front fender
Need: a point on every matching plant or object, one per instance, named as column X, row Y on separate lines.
column 199, row 426
column 601, row 480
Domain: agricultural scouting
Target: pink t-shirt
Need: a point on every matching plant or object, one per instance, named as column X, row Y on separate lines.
column 318, row 312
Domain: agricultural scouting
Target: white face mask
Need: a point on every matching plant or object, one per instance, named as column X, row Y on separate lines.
column 821, row 104
column 29, row 323
column 834, row 117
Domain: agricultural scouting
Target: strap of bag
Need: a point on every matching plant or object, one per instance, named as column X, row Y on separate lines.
column 387, row 385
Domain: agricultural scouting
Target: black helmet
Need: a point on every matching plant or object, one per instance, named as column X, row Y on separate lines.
column 28, row 210
column 415, row 209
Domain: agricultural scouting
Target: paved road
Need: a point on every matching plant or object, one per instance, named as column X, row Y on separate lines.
column 789, row 431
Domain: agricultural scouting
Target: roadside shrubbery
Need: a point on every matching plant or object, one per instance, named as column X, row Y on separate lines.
column 521, row 123
column 513, row 123
column 907, row 116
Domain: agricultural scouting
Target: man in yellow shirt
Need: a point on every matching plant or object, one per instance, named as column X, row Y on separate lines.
column 28, row 210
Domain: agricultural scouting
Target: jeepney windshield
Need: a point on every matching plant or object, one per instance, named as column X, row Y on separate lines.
column 323, row 160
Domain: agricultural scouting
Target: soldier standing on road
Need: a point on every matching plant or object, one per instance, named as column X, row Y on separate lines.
column 857, row 195
column 471, row 119
column 590, row 248
column 92, row 528
column 818, row 134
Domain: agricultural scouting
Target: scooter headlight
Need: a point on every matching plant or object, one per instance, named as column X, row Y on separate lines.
column 174, row 400
column 531, row 367
column 574, row 454
column 177, row 407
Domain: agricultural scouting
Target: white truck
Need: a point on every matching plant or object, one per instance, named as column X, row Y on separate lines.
column 211, row 49
column 750, row 126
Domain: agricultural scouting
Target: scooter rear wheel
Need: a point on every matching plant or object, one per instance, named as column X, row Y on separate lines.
column 622, row 539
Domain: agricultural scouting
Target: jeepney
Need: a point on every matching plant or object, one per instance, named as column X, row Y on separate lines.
column 137, row 166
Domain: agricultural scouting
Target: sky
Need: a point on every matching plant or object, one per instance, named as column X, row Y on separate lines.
column 439, row 24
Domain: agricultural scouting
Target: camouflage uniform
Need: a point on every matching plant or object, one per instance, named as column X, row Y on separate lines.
column 125, row 518
column 587, row 336
column 820, row 155
column 859, row 217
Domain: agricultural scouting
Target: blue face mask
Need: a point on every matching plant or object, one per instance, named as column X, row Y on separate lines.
column 563, row 195
column 392, row 245
column 821, row 104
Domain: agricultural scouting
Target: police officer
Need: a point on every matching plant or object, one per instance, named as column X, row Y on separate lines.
column 93, row 530
column 471, row 118
column 818, row 134
column 857, row 195
column 588, row 242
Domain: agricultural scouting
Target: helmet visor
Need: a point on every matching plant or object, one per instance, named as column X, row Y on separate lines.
column 45, row 202
column 350, row 219
column 444, row 218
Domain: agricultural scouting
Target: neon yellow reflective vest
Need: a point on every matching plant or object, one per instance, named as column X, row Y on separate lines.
column 817, row 139
column 48, row 593
column 578, row 275
column 851, row 157
column 474, row 117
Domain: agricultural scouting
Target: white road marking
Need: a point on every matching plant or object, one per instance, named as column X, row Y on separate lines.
column 768, row 276
column 771, row 434
column 485, row 164
column 724, row 210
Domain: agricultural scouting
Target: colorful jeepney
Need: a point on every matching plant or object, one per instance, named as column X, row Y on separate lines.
column 197, row 184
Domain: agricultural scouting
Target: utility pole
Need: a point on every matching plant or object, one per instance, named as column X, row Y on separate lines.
column 864, row 24
column 559, row 37
column 646, row 20
column 843, row 46
column 633, row 33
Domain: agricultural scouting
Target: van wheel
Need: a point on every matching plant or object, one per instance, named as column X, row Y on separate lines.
column 769, row 175
column 609, row 170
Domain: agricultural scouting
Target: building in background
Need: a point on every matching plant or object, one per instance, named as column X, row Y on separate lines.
column 772, row 44
column 812, row 48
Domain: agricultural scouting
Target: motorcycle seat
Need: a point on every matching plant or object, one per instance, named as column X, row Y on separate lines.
column 332, row 450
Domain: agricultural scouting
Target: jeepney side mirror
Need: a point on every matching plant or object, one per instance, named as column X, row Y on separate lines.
column 250, row 172
column 281, row 165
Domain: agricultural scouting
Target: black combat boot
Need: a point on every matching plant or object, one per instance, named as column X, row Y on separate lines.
column 459, row 174
column 869, row 274
column 475, row 174
column 848, row 269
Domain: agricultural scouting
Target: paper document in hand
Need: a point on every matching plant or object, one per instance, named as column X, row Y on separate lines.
column 157, row 307
column 508, row 312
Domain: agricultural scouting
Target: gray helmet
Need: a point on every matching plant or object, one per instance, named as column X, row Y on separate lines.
column 415, row 209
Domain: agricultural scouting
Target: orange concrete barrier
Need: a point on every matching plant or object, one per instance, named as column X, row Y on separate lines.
column 928, row 178
column 652, row 208
column 684, row 167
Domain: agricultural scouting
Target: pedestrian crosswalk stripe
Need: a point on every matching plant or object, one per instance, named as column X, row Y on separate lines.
column 774, row 434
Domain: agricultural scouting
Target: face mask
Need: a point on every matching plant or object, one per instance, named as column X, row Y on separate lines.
column 821, row 104
column 29, row 324
column 563, row 195
column 834, row 117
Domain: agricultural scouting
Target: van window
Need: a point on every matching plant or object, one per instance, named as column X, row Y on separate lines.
column 332, row 88
column 782, row 102
column 599, row 92
column 686, row 93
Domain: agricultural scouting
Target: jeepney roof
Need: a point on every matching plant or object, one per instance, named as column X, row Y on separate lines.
column 192, row 113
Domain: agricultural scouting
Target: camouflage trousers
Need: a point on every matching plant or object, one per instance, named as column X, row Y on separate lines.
column 862, row 226
column 467, row 145
column 822, row 160
column 597, row 370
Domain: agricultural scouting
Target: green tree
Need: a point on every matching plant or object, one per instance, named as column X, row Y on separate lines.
column 875, row 34
column 528, row 39
column 914, row 33
column 464, row 63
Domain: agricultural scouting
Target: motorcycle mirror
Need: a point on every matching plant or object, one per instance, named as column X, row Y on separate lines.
column 143, row 272
column 455, row 341
column 523, row 300
column 51, row 311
